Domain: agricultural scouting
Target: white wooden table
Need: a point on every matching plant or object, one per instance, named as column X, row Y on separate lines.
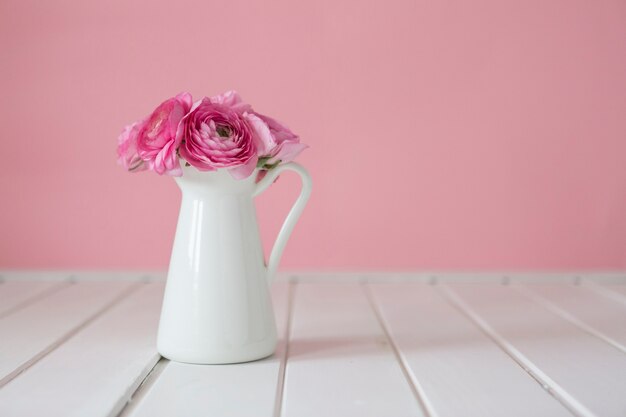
column 83, row 344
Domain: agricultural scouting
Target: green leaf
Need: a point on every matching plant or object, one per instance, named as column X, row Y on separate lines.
column 262, row 161
column 274, row 165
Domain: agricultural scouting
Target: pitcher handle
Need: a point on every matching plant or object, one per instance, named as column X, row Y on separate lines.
column 294, row 213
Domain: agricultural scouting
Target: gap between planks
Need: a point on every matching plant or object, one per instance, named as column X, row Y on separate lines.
column 554, row 389
column 555, row 309
column 143, row 387
column 280, row 386
column 68, row 335
column 414, row 384
column 551, row 387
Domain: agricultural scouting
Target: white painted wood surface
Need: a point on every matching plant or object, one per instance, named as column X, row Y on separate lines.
column 15, row 294
column 32, row 332
column 618, row 288
column 589, row 310
column 449, row 357
column 580, row 369
column 351, row 345
column 616, row 291
column 95, row 372
column 335, row 343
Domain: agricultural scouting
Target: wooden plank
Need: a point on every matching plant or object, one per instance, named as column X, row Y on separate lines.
column 616, row 291
column 246, row 389
column 459, row 370
column 17, row 294
column 584, row 307
column 34, row 331
column 580, row 369
column 613, row 288
column 96, row 371
column 620, row 288
column 340, row 362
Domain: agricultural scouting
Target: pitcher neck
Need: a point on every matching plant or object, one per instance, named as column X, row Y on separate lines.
column 219, row 181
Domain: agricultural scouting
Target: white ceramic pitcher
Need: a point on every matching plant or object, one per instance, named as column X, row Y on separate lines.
column 217, row 307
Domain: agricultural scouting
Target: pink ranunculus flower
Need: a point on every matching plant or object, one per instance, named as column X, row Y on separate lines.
column 214, row 135
column 232, row 100
column 276, row 143
column 157, row 143
column 127, row 155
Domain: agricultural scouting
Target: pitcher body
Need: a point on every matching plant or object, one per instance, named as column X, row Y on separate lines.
column 217, row 306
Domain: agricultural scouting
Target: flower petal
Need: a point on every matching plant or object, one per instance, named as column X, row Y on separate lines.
column 244, row 171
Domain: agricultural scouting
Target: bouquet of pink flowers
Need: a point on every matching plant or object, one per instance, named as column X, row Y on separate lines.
column 212, row 133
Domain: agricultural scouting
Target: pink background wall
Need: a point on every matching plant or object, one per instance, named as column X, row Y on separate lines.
column 443, row 134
